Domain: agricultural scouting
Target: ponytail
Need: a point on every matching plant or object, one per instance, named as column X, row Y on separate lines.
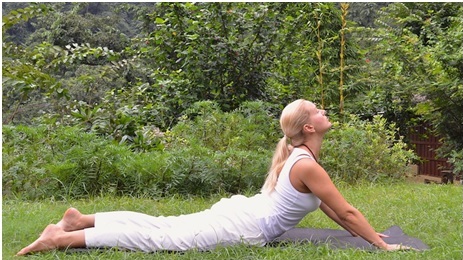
column 292, row 120
column 282, row 152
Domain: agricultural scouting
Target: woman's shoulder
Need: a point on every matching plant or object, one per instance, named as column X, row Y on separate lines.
column 297, row 152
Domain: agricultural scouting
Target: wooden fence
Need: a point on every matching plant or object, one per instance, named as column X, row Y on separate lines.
column 425, row 144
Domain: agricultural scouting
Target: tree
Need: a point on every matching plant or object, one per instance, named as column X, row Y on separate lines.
column 21, row 76
column 32, row 74
column 225, row 48
column 415, row 67
column 307, row 58
column 442, row 96
column 364, row 14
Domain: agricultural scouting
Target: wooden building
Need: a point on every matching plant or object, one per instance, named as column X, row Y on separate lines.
column 425, row 144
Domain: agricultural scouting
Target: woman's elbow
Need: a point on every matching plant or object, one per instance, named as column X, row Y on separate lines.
column 349, row 215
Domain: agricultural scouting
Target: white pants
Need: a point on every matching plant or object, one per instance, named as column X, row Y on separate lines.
column 221, row 225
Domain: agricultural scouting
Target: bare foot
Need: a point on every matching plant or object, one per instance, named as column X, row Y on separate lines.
column 70, row 220
column 46, row 241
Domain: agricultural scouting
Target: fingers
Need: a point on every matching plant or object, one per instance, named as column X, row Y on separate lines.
column 382, row 235
column 406, row 248
column 398, row 247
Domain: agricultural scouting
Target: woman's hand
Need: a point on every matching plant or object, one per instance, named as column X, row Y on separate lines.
column 379, row 234
column 397, row 247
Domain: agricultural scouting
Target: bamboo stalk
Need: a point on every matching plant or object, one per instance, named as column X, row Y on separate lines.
column 320, row 62
column 344, row 8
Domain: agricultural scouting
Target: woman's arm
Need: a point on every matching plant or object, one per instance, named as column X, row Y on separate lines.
column 330, row 213
column 315, row 178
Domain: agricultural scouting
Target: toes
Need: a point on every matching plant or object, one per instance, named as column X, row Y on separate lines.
column 22, row 251
column 44, row 242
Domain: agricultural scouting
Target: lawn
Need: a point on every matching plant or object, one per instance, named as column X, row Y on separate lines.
column 432, row 213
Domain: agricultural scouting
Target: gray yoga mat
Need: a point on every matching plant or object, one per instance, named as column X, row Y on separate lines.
column 342, row 239
column 337, row 239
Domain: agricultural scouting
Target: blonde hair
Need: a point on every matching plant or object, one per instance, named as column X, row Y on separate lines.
column 292, row 120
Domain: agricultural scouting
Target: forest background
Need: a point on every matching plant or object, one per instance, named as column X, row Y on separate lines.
column 163, row 98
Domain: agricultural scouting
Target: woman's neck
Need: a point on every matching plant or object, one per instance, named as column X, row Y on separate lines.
column 313, row 146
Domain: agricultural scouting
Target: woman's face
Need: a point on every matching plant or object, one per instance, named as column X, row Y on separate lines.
column 318, row 118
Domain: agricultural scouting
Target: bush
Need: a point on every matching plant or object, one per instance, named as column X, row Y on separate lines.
column 199, row 170
column 63, row 163
column 253, row 126
column 456, row 159
column 67, row 162
column 362, row 150
column 214, row 151
column 208, row 152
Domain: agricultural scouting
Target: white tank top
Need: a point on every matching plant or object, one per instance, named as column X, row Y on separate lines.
column 286, row 206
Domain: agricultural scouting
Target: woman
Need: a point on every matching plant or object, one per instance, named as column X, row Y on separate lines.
column 295, row 186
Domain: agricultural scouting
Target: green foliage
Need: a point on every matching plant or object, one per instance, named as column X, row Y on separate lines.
column 74, row 28
column 66, row 162
column 414, row 69
column 165, row 99
column 198, row 170
column 127, row 73
column 69, row 163
column 124, row 125
column 390, row 73
column 359, row 150
column 23, row 14
column 364, row 13
column 187, row 52
column 208, row 152
column 27, row 75
column 443, row 91
column 253, row 126
column 456, row 159
column 222, row 151
column 223, row 47
column 306, row 62
column 35, row 76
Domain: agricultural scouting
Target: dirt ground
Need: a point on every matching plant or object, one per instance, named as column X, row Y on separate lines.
column 426, row 179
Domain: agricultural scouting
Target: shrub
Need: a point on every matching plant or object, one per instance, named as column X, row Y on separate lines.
column 456, row 159
column 64, row 162
column 125, row 125
column 67, row 162
column 253, row 126
column 22, row 169
column 215, row 151
column 365, row 150
column 199, row 170
column 208, row 152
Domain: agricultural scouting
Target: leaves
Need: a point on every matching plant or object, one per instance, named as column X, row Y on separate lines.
column 359, row 150
column 24, row 14
column 420, row 59
column 122, row 70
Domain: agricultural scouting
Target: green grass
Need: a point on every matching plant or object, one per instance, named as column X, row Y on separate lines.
column 432, row 213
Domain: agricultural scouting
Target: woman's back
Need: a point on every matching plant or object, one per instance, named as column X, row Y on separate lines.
column 288, row 205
